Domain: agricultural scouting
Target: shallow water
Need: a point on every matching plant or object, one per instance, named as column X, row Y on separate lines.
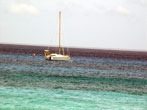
column 59, row 99
column 32, row 83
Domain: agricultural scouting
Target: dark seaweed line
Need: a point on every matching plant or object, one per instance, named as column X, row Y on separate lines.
column 101, row 83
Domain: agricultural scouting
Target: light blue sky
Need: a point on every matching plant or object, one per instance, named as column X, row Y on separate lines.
column 104, row 24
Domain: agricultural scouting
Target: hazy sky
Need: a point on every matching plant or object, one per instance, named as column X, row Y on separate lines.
column 104, row 24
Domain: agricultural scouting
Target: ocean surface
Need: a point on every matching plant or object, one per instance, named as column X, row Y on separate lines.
column 33, row 83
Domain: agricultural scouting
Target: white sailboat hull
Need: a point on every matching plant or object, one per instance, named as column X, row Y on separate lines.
column 65, row 58
column 57, row 57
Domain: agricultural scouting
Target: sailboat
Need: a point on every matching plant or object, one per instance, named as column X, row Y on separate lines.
column 57, row 56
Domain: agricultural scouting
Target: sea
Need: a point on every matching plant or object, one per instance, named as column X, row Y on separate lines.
column 32, row 83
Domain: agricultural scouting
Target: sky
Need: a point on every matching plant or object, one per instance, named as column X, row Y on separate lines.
column 102, row 24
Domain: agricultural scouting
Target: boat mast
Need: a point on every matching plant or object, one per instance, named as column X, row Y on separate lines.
column 59, row 32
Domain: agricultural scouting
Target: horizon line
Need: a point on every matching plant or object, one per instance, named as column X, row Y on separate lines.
column 82, row 47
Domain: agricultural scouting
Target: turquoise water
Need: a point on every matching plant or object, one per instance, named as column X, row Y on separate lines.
column 32, row 83
column 59, row 99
